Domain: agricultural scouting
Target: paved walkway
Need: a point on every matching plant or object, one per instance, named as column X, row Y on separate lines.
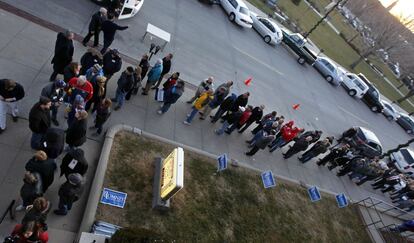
column 25, row 54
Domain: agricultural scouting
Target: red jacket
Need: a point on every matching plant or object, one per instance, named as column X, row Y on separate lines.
column 245, row 116
column 87, row 87
column 289, row 132
column 43, row 237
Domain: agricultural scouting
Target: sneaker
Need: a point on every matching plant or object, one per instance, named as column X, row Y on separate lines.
column 187, row 123
column 15, row 118
column 159, row 112
column 55, row 122
column 20, row 208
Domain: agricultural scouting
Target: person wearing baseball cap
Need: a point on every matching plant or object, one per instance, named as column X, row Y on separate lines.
column 54, row 91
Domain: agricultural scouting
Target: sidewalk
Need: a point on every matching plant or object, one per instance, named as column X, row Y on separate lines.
column 25, row 54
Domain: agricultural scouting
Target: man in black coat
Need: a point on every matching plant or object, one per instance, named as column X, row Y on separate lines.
column 74, row 162
column 166, row 67
column 318, row 148
column 53, row 142
column 109, row 29
column 95, row 26
column 63, row 53
column 125, row 84
column 300, row 145
column 225, row 106
column 54, row 91
column 39, row 121
column 69, row 193
column 145, row 65
column 241, row 100
column 10, row 93
column 46, row 167
column 256, row 116
column 112, row 63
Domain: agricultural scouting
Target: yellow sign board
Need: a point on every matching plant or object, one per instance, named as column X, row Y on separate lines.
column 172, row 174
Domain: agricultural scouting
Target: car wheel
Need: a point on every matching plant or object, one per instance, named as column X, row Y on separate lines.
column 374, row 109
column 232, row 17
column 301, row 60
column 352, row 92
column 267, row 39
column 390, row 118
column 329, row 79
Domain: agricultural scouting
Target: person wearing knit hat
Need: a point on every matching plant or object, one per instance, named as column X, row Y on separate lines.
column 39, row 121
column 54, row 91
column 43, row 165
column 95, row 26
column 69, row 192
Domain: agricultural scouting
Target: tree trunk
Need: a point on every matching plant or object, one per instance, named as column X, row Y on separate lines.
column 410, row 94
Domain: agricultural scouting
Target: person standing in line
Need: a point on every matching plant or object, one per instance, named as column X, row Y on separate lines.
column 256, row 116
column 171, row 96
column 145, row 65
column 39, row 121
column 95, row 26
column 98, row 93
column 318, row 148
column 335, row 153
column 71, row 71
column 241, row 121
column 43, row 165
column 103, row 112
column 80, row 86
column 74, row 162
column 261, row 143
column 225, row 106
column 203, row 87
column 301, row 144
column 171, row 81
column 268, row 126
column 38, row 212
column 63, row 53
column 125, row 84
column 93, row 72
column 69, row 193
column 112, row 63
column 219, row 96
column 76, row 133
column 199, row 103
column 137, row 83
column 241, row 100
column 271, row 116
column 77, row 105
column 287, row 134
column 31, row 189
column 166, row 67
column 109, row 29
column 90, row 59
column 53, row 142
column 10, row 93
column 54, row 91
column 153, row 76
column 230, row 119
column 30, row 232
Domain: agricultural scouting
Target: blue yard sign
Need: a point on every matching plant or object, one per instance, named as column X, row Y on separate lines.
column 222, row 162
column 268, row 179
column 113, row 198
column 341, row 200
column 314, row 194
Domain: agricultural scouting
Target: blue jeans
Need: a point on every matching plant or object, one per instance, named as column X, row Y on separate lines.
column 223, row 128
column 63, row 207
column 194, row 112
column 277, row 143
column 36, row 140
column 165, row 107
column 120, row 97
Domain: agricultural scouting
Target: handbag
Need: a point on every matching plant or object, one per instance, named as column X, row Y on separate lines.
column 159, row 95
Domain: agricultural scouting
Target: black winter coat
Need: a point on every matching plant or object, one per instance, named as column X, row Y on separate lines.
column 69, row 193
column 53, row 142
column 96, row 22
column 300, row 145
column 39, row 119
column 227, row 104
column 109, row 29
column 29, row 192
column 233, row 117
column 88, row 60
column 63, row 53
column 166, row 66
column 46, row 170
column 17, row 92
column 68, row 74
column 125, row 82
column 102, row 114
column 76, row 133
column 74, row 162
column 111, row 64
column 144, row 64
column 34, row 215
column 240, row 101
column 256, row 115
column 319, row 148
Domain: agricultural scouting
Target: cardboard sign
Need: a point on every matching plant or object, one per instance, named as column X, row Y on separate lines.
column 159, row 95
column 314, row 194
column 268, row 179
column 222, row 162
column 113, row 198
column 341, row 200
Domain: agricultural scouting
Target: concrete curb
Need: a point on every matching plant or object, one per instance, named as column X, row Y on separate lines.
column 98, row 180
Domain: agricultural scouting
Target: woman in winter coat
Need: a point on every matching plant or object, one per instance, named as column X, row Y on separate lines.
column 199, row 103
column 30, row 232
column 153, row 76
column 38, row 212
column 76, row 133
column 44, row 166
column 288, row 133
column 270, row 116
column 261, row 143
column 171, row 96
column 71, row 71
column 103, row 112
column 74, row 162
column 31, row 189
column 69, row 193
column 318, row 148
column 144, row 65
column 137, row 83
column 171, row 81
column 98, row 93
column 77, row 105
column 91, row 57
column 243, row 119
column 53, row 142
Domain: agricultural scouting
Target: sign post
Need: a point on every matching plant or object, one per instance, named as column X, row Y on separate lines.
column 222, row 162
column 341, row 200
column 268, row 179
column 314, row 194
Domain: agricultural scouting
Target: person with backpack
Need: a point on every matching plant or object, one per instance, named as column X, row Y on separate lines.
column 31, row 189
column 69, row 192
column 74, row 162
column 125, row 84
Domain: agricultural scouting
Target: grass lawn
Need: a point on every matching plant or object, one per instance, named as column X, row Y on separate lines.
column 334, row 46
column 230, row 207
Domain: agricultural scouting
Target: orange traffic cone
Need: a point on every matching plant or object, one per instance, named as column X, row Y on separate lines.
column 247, row 81
column 296, row 106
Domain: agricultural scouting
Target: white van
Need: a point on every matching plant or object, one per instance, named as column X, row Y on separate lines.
column 354, row 85
column 126, row 8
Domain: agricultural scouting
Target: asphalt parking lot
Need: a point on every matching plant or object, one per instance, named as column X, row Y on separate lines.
column 205, row 43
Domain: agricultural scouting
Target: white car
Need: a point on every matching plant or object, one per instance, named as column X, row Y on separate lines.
column 329, row 70
column 127, row 8
column 403, row 160
column 354, row 85
column 269, row 30
column 237, row 12
column 389, row 111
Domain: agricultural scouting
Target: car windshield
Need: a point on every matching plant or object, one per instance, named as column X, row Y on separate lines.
column 298, row 39
column 407, row 156
column 244, row 10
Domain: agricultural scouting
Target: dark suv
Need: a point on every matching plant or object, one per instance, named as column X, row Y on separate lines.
column 372, row 97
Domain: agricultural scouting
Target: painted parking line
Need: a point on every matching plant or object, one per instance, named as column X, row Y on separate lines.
column 259, row 61
column 353, row 115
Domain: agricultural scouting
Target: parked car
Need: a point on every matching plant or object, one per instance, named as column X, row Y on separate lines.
column 406, row 122
column 124, row 8
column 270, row 31
column 389, row 111
column 372, row 97
column 237, row 12
column 300, row 46
column 354, row 85
column 403, row 160
column 366, row 142
column 329, row 70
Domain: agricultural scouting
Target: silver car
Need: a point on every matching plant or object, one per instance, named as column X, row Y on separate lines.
column 329, row 70
column 403, row 160
column 389, row 111
column 270, row 31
